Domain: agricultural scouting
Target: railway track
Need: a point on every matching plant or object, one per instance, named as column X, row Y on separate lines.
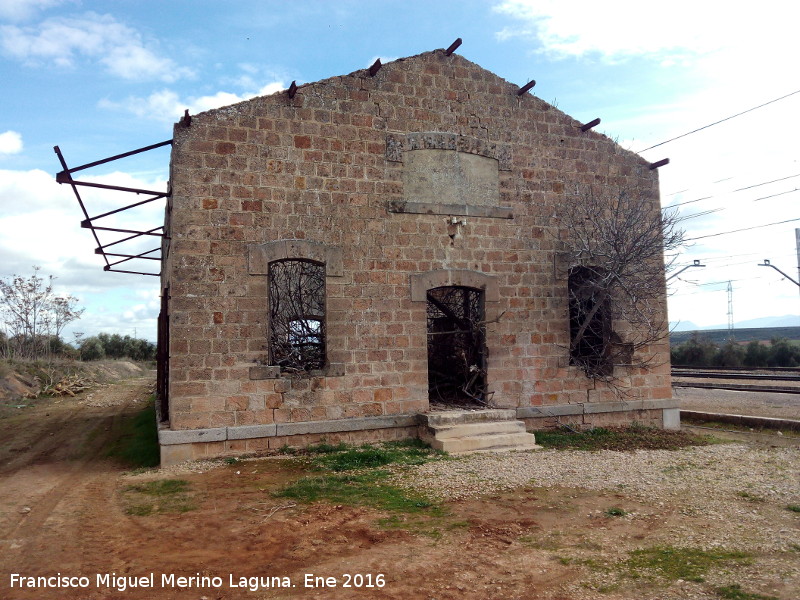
column 693, row 377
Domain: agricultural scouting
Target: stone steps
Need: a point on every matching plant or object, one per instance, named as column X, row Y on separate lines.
column 461, row 432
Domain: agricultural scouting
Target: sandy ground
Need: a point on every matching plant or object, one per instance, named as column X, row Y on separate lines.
column 64, row 509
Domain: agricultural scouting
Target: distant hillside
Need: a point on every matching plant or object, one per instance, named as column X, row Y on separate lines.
column 762, row 322
column 719, row 336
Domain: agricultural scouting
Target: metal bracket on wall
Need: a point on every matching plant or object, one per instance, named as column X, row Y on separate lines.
column 65, row 176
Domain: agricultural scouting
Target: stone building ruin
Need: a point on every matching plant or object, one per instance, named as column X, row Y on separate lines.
column 348, row 257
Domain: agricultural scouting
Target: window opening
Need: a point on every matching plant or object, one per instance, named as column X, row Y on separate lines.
column 456, row 346
column 589, row 322
column 297, row 315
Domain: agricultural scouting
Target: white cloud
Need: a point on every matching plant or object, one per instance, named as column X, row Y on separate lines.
column 10, row 142
column 722, row 59
column 673, row 34
column 18, row 10
column 165, row 105
column 64, row 40
column 40, row 221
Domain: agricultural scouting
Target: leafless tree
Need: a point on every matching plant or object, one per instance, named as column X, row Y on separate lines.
column 613, row 245
column 33, row 313
column 297, row 315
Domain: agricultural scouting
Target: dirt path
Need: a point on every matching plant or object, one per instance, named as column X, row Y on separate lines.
column 53, row 475
column 546, row 542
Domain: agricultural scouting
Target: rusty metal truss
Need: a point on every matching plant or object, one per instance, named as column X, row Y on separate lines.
column 65, row 176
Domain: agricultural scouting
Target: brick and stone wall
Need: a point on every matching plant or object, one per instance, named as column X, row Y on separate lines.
column 434, row 170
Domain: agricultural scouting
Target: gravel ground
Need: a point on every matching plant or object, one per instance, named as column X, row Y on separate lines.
column 706, row 479
column 730, row 497
column 759, row 404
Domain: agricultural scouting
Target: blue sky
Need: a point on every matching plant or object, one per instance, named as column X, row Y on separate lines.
column 100, row 78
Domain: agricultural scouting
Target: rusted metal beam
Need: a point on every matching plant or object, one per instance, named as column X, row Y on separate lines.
column 63, row 162
column 112, row 158
column 119, row 262
column 526, row 87
column 143, row 255
column 150, row 232
column 587, row 126
column 65, row 178
column 108, row 268
column 660, row 163
column 452, row 47
column 376, row 66
column 292, row 89
column 102, row 247
column 111, row 212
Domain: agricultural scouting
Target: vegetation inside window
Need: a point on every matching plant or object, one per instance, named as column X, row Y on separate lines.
column 589, row 322
column 456, row 346
column 297, row 315
column 613, row 246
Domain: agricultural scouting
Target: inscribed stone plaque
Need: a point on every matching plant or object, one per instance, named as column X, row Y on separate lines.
column 450, row 177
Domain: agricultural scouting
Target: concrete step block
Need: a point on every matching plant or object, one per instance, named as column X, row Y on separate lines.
column 456, row 417
column 442, row 432
column 496, row 442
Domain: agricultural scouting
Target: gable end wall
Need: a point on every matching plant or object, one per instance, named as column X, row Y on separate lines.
column 326, row 168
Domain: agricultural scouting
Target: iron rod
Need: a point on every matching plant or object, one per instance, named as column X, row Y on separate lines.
column 77, row 195
column 134, row 255
column 150, row 232
column 104, row 186
column 587, row 126
column 124, row 208
column 452, row 48
column 106, row 268
column 117, row 157
column 376, row 66
column 660, row 163
column 526, row 87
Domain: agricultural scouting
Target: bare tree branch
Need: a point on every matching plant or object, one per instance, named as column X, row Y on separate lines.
column 612, row 249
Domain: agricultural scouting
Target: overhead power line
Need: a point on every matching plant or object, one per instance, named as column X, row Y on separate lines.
column 720, row 121
column 766, row 182
column 778, row 194
column 755, row 185
column 700, row 237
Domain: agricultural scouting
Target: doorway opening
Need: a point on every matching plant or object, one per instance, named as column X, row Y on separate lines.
column 456, row 347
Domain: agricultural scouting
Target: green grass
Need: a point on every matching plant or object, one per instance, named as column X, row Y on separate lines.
column 352, row 476
column 735, row 592
column 615, row 511
column 430, row 525
column 672, row 563
column 359, row 489
column 157, row 497
column 750, row 497
column 793, row 508
column 344, row 458
column 325, row 448
column 137, row 443
column 633, row 437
